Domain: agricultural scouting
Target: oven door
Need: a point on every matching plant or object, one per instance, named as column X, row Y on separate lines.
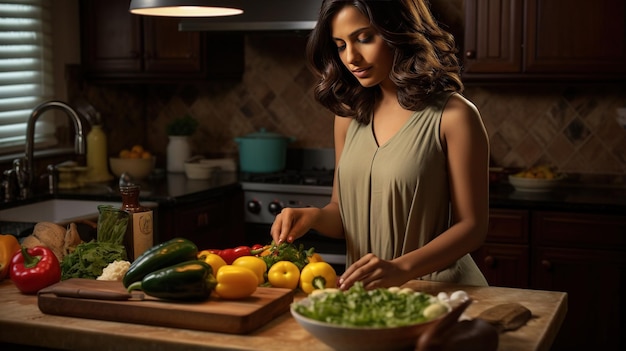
column 332, row 250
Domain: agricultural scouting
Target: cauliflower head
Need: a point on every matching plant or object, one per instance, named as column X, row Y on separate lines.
column 115, row 271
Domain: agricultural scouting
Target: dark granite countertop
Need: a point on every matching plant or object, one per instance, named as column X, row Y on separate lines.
column 169, row 190
column 594, row 195
column 590, row 194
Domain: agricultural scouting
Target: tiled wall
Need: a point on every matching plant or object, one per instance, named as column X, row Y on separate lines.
column 573, row 128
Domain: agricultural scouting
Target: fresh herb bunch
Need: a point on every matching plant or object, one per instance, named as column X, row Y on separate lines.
column 89, row 259
column 288, row 252
column 183, row 126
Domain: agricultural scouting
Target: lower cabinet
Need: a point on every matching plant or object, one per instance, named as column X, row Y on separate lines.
column 503, row 259
column 215, row 222
column 581, row 254
column 585, row 256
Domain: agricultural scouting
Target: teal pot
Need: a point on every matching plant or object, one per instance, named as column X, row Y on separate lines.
column 262, row 152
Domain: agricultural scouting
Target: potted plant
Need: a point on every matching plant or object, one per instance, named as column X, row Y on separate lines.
column 178, row 148
column 182, row 126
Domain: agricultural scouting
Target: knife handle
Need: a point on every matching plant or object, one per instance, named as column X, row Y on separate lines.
column 61, row 291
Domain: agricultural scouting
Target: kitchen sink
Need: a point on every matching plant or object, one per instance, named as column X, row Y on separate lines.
column 59, row 211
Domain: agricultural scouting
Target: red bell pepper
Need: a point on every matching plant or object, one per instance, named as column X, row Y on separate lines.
column 230, row 255
column 34, row 269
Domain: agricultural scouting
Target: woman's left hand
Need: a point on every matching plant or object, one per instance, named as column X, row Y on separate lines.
column 373, row 272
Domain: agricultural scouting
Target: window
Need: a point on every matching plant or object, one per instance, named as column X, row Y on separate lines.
column 26, row 77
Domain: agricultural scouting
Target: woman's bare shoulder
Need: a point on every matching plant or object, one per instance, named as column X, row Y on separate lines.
column 459, row 107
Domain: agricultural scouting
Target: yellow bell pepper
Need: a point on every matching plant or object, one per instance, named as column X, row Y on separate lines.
column 317, row 275
column 284, row 274
column 256, row 264
column 8, row 247
column 235, row 282
column 214, row 260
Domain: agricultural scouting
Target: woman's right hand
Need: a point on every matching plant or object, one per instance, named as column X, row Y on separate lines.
column 292, row 223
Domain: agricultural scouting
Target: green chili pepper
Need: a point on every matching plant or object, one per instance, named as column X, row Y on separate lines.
column 160, row 256
column 187, row 281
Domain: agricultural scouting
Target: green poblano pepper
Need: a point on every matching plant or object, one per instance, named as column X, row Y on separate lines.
column 186, row 281
column 160, row 256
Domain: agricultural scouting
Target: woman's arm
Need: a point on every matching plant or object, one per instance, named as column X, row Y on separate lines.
column 466, row 143
column 293, row 223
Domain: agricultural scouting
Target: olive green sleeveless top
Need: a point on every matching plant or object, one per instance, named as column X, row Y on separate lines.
column 394, row 198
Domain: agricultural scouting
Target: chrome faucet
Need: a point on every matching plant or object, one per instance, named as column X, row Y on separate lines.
column 28, row 167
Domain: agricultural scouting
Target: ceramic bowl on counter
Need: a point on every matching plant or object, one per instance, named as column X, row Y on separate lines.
column 534, row 185
column 137, row 168
column 365, row 338
column 199, row 170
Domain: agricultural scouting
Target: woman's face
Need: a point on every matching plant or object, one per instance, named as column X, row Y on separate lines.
column 361, row 49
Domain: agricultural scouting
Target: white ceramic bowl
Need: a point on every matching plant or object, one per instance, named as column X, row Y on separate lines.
column 137, row 168
column 535, row 185
column 199, row 170
column 361, row 338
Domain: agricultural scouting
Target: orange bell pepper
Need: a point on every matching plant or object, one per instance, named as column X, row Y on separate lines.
column 8, row 247
column 315, row 258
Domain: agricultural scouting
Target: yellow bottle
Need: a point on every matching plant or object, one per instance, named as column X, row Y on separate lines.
column 97, row 161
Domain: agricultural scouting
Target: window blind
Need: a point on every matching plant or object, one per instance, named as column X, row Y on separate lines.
column 26, row 77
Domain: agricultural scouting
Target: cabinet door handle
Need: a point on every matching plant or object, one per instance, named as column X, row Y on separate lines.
column 470, row 54
column 546, row 264
column 202, row 219
column 490, row 261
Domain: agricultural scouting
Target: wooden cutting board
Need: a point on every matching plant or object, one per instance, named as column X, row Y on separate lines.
column 109, row 301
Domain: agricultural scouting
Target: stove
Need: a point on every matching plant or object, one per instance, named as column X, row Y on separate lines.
column 306, row 181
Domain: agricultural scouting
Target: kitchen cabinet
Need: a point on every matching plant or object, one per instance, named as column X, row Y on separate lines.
column 533, row 39
column 583, row 254
column 120, row 46
column 215, row 222
column 504, row 258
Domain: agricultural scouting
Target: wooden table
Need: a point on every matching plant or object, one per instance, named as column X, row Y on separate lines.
column 21, row 322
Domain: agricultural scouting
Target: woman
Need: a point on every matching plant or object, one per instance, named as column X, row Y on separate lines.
column 410, row 194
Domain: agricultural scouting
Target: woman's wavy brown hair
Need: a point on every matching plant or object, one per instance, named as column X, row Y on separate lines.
column 424, row 63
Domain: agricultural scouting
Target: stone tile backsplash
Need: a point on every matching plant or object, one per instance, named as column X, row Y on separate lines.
column 571, row 127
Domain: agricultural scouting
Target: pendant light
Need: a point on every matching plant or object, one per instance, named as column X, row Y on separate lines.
column 184, row 8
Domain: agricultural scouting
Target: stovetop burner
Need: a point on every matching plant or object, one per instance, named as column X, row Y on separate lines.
column 321, row 177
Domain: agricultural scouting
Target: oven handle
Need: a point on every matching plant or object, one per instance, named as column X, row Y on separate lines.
column 333, row 258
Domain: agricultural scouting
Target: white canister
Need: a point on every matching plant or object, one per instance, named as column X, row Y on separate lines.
column 178, row 150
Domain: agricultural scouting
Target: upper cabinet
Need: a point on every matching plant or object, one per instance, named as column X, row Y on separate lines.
column 120, row 46
column 544, row 40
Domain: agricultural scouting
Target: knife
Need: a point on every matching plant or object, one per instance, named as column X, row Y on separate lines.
column 83, row 293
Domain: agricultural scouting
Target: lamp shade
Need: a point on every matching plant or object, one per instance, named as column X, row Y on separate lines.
column 184, row 8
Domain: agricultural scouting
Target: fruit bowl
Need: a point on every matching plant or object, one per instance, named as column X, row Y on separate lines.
column 362, row 338
column 137, row 168
column 535, row 185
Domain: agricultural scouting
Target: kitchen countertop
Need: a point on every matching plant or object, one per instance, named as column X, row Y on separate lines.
column 573, row 198
column 591, row 194
column 21, row 322
column 167, row 189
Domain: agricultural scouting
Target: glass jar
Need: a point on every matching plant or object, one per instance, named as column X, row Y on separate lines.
column 139, row 235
